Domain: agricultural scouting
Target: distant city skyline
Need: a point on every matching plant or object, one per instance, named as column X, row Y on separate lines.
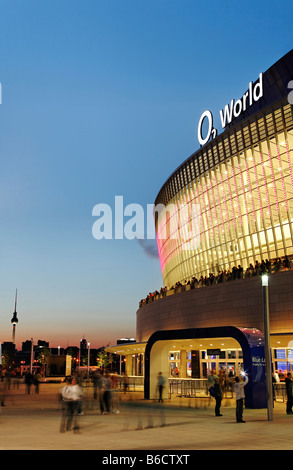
column 98, row 100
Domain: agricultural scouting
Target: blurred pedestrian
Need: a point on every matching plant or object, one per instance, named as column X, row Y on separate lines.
column 218, row 394
column 28, row 380
column 289, row 383
column 95, row 379
column 101, row 390
column 71, row 396
column 161, row 383
column 107, row 393
column 115, row 394
column 125, row 383
column 37, row 379
column 3, row 393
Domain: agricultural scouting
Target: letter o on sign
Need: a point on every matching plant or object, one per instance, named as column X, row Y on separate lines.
column 206, row 114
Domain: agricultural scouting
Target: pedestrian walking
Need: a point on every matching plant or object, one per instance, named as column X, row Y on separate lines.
column 240, row 395
column 289, row 392
column 161, row 383
column 37, row 379
column 3, row 393
column 95, row 380
column 218, row 395
column 125, row 383
column 115, row 394
column 108, row 393
column 101, row 391
column 28, row 379
column 71, row 396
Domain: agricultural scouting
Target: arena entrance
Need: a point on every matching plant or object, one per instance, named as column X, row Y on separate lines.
column 250, row 340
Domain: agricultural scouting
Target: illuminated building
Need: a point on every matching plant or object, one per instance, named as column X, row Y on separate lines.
column 242, row 181
column 229, row 204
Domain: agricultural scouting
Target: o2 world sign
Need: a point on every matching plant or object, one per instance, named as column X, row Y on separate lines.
column 230, row 112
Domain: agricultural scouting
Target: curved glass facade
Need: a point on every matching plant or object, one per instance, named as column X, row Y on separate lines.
column 242, row 184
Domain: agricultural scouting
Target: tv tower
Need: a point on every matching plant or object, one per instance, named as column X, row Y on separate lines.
column 14, row 319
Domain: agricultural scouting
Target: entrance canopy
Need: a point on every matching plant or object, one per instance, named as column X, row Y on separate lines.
column 250, row 340
column 125, row 349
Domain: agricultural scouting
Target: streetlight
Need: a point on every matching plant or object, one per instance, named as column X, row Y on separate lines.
column 88, row 360
column 265, row 307
column 32, row 355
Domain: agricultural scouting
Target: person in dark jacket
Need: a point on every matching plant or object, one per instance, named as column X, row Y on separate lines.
column 218, row 397
column 288, row 382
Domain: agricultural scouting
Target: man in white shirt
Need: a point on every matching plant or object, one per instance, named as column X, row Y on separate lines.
column 240, row 395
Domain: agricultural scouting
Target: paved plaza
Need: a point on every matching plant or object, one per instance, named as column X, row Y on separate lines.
column 32, row 422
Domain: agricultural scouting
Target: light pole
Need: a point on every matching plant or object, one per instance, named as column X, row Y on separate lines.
column 32, row 355
column 88, row 360
column 266, row 315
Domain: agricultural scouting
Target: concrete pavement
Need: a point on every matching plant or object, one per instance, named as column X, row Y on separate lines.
column 32, row 422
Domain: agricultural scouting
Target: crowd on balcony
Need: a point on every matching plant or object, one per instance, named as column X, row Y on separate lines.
column 237, row 272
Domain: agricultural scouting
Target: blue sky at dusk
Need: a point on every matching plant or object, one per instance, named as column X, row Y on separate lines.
column 102, row 98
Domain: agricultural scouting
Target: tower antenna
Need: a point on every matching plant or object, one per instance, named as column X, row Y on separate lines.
column 14, row 319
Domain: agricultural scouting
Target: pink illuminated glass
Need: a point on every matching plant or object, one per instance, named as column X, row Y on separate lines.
column 181, row 224
column 236, row 192
column 231, row 200
column 218, row 195
column 212, row 193
column 189, row 208
column 162, row 264
column 250, row 192
column 273, row 179
column 282, row 179
column 257, row 187
column 243, row 192
column 265, row 183
column 290, row 168
column 201, row 232
column 201, row 213
column 205, row 211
